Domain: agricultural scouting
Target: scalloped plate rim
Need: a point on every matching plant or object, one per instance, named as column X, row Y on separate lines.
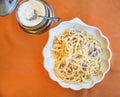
column 74, row 21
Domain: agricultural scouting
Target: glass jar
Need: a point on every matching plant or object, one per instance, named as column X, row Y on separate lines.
column 42, row 25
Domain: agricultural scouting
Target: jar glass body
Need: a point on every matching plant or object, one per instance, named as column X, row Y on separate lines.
column 43, row 25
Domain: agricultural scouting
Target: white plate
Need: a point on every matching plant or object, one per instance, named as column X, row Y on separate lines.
column 48, row 60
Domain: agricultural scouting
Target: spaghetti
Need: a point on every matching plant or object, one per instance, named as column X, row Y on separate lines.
column 77, row 56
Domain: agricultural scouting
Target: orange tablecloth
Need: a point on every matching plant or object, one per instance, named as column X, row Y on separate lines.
column 21, row 62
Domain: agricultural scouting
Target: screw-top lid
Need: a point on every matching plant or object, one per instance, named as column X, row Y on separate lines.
column 7, row 6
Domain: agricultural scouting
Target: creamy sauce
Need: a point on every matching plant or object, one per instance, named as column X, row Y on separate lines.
column 26, row 11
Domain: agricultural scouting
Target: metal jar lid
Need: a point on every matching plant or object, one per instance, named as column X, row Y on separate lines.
column 7, row 6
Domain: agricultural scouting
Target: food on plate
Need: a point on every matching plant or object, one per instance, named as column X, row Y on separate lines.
column 77, row 56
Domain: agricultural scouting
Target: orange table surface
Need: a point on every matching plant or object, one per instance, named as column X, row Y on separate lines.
column 22, row 73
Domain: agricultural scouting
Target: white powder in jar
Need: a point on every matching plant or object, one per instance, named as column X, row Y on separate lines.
column 26, row 11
